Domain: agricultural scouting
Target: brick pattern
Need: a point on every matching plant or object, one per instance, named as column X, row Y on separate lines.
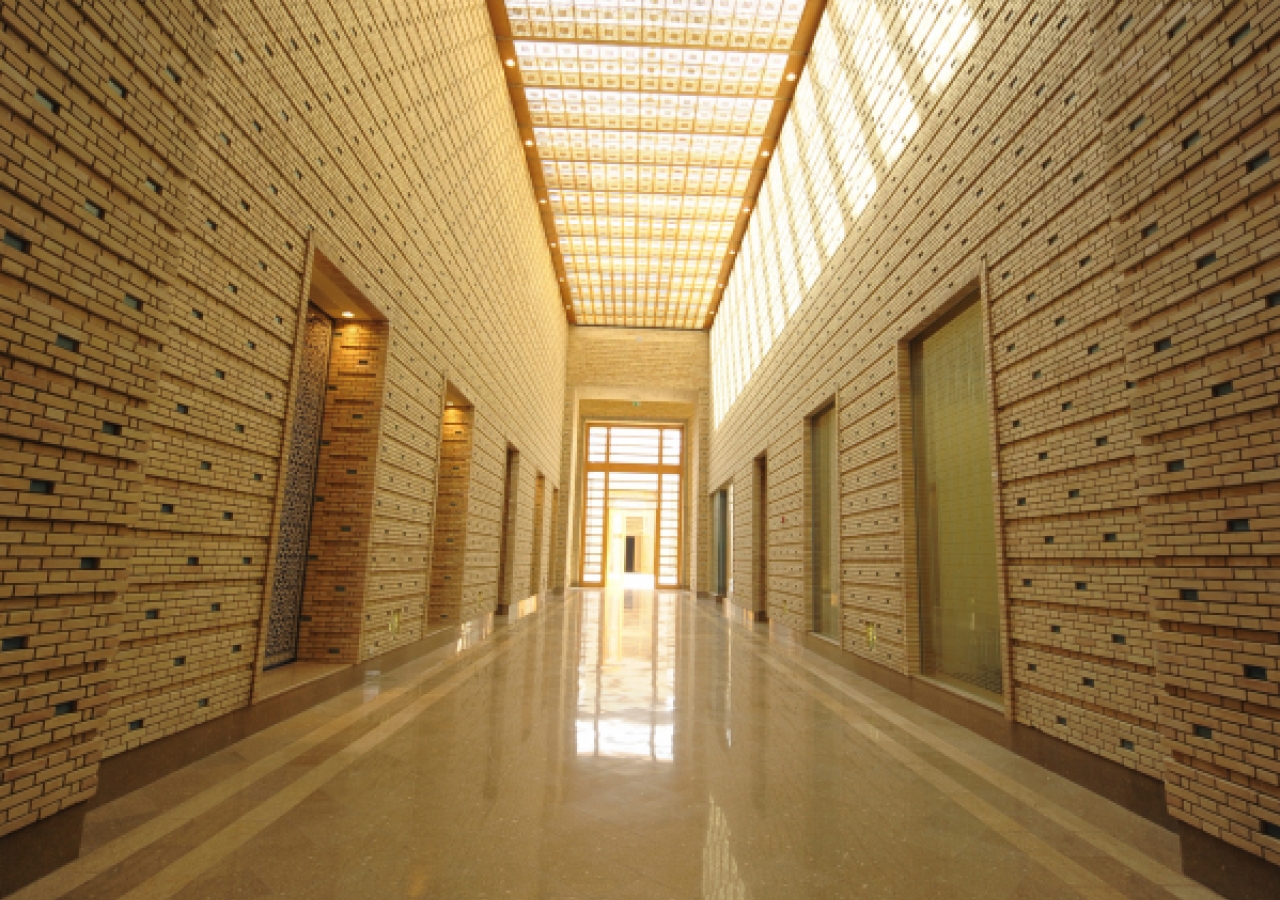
column 94, row 194
column 168, row 175
column 1190, row 119
column 1014, row 175
column 338, row 586
column 450, row 532
column 1129, row 290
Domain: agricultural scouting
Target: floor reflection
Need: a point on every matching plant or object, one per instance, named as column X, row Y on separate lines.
column 621, row 744
column 626, row 674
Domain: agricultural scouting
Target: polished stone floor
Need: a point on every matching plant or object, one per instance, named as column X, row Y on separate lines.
column 620, row 744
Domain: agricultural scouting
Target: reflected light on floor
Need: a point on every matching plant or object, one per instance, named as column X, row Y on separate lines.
column 474, row 632
column 629, row 581
column 626, row 674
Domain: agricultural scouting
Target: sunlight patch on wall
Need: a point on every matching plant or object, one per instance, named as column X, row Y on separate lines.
column 853, row 116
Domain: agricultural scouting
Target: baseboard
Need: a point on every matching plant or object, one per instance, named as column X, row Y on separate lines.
column 1232, row 872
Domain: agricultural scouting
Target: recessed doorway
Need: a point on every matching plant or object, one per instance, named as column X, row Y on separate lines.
column 955, row 507
column 632, row 505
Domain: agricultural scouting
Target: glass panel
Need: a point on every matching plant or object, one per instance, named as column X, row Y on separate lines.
column 669, row 532
column 671, row 441
column 633, row 528
column 959, row 605
column 593, row 530
column 826, row 527
column 728, row 540
column 597, row 444
column 639, row 517
column 718, row 543
column 634, row 445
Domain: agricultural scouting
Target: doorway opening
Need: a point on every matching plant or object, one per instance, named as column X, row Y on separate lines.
column 824, row 525
column 324, row 512
column 632, row 522
column 555, row 563
column 956, row 560
column 299, row 489
column 760, row 537
column 539, row 506
column 722, row 542
column 507, row 533
column 453, row 490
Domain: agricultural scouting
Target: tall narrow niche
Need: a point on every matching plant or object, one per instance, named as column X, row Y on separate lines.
column 300, row 476
column 338, row 553
column 535, row 564
column 448, row 557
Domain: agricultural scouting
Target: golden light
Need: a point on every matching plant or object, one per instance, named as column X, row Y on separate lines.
column 852, row 118
column 348, row 315
column 648, row 120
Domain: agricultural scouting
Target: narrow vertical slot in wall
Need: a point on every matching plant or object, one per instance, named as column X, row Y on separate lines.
column 539, row 507
column 510, row 480
column 299, row 481
column 554, row 566
column 670, row 507
column 332, row 627
column 453, row 488
column 760, row 537
column 824, row 526
column 595, row 498
column 955, row 506
column 720, row 543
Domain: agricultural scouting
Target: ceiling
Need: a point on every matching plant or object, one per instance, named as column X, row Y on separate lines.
column 648, row 126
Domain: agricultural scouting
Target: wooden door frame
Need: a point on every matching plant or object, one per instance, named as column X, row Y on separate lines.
column 608, row 468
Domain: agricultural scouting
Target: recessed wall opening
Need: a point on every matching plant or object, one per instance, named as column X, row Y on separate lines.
column 632, row 517
column 552, row 578
column 955, row 506
column 453, row 490
column 511, row 478
column 539, row 506
column 326, row 503
column 307, row 416
column 722, row 541
column 824, row 527
column 760, row 535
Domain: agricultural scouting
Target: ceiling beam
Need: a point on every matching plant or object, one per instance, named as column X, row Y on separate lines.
column 797, row 56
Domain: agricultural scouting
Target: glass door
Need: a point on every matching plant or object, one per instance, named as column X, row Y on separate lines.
column 955, row 507
column 633, row 506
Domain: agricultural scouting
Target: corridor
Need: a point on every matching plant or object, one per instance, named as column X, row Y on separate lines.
column 616, row 744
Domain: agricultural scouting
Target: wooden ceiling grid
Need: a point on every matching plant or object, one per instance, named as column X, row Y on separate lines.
column 648, row 126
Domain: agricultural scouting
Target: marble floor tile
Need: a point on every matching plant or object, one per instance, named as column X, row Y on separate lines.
column 628, row 745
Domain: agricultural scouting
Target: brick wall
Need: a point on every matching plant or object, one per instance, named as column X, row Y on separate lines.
column 339, row 601
column 1129, row 367
column 169, row 173
column 450, row 532
column 1190, row 130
